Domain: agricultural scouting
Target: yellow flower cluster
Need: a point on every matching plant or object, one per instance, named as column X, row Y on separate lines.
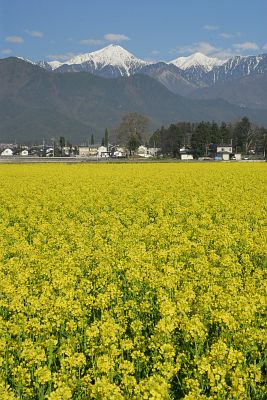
column 133, row 281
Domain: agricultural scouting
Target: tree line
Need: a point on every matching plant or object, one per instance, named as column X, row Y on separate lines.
column 203, row 137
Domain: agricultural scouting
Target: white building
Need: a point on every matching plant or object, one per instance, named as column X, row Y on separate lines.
column 118, row 152
column 224, row 148
column 88, row 151
column 224, row 151
column 7, row 152
column 153, row 151
column 186, row 157
column 142, row 151
column 238, row 156
column 50, row 152
column 185, row 153
column 102, row 151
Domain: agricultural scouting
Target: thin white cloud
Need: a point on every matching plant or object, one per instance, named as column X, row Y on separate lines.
column 207, row 49
column 36, row 34
column 61, row 57
column 246, row 46
column 14, row 39
column 115, row 37
column 210, row 27
column 201, row 47
column 264, row 47
column 109, row 37
column 224, row 54
column 227, row 35
column 91, row 42
column 218, row 52
column 6, row 51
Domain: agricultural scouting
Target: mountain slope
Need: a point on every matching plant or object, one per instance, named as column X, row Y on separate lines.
column 170, row 76
column 36, row 104
column 248, row 91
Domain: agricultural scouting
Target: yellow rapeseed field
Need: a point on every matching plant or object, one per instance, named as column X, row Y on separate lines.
column 133, row 281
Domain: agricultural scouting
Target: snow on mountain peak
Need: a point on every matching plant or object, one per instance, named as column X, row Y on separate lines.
column 112, row 55
column 116, row 56
column 197, row 60
column 55, row 64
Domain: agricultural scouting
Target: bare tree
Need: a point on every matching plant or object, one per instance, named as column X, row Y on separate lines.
column 133, row 130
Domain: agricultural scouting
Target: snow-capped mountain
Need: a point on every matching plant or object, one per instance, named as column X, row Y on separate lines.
column 125, row 63
column 237, row 67
column 196, row 66
column 198, row 69
column 183, row 75
column 197, row 60
column 206, row 71
column 110, row 55
column 112, row 60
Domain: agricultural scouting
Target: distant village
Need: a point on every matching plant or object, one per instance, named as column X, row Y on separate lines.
column 91, row 151
column 222, row 152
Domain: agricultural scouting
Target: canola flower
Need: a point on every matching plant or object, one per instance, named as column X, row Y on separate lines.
column 135, row 281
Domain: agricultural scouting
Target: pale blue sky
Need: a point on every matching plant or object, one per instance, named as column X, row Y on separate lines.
column 150, row 29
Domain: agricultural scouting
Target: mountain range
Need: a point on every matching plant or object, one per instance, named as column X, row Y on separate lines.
column 186, row 76
column 75, row 99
